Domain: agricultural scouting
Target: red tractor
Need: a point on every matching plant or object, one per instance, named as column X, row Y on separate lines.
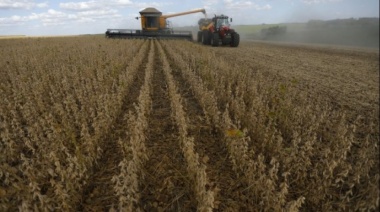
column 217, row 31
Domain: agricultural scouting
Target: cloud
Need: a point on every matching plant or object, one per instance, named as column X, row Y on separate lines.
column 232, row 4
column 21, row 4
column 88, row 5
column 42, row 5
column 70, row 13
column 91, row 16
column 210, row 2
column 318, row 1
column 13, row 20
column 141, row 5
column 91, row 5
column 54, row 17
column 95, row 4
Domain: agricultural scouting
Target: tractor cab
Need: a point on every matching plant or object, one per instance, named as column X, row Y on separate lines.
column 221, row 21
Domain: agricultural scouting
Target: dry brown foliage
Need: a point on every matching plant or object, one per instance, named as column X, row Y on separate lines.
column 300, row 134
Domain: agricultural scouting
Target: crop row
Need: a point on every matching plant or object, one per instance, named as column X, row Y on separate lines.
column 67, row 104
column 54, row 116
column 197, row 170
column 134, row 151
column 259, row 179
column 294, row 146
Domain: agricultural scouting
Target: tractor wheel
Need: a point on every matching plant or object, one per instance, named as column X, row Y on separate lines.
column 235, row 40
column 215, row 39
column 199, row 36
column 205, row 37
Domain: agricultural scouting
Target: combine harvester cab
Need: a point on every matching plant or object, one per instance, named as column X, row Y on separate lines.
column 154, row 25
column 217, row 31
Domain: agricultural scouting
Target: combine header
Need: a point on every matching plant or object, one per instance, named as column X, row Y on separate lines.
column 154, row 25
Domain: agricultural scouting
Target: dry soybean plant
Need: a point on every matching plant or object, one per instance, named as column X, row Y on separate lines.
column 134, row 152
column 316, row 147
column 56, row 104
column 196, row 170
column 259, row 181
column 289, row 150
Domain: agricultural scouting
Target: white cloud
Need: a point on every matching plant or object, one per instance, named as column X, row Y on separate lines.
column 265, row 7
column 55, row 17
column 91, row 16
column 140, row 6
column 88, row 5
column 120, row 2
column 94, row 13
column 42, row 5
column 210, row 2
column 13, row 20
column 95, row 4
column 21, row 4
column 318, row 1
column 232, row 4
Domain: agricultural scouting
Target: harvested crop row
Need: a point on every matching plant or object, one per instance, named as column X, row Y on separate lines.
column 166, row 184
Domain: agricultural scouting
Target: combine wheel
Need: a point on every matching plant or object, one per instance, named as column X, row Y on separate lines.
column 199, row 36
column 205, row 37
column 235, row 40
column 215, row 39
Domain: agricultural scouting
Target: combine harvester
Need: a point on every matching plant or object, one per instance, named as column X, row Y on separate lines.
column 217, row 31
column 154, row 25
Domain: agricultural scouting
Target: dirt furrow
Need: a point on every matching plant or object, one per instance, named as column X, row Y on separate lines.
column 209, row 145
column 164, row 186
column 99, row 193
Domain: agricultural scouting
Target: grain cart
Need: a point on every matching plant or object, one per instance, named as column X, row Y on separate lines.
column 217, row 31
column 154, row 25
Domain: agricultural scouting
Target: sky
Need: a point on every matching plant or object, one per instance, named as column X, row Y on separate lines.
column 69, row 17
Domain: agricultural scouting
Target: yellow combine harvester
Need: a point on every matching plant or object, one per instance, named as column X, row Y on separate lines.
column 154, row 24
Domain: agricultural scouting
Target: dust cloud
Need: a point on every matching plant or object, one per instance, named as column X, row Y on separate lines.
column 362, row 32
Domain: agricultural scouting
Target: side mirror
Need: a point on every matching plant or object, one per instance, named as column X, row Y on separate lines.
column 230, row 19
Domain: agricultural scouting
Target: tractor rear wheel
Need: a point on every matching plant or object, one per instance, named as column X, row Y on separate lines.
column 199, row 36
column 235, row 40
column 206, row 37
column 215, row 39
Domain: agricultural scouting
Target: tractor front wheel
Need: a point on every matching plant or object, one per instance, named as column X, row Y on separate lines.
column 215, row 39
column 235, row 40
